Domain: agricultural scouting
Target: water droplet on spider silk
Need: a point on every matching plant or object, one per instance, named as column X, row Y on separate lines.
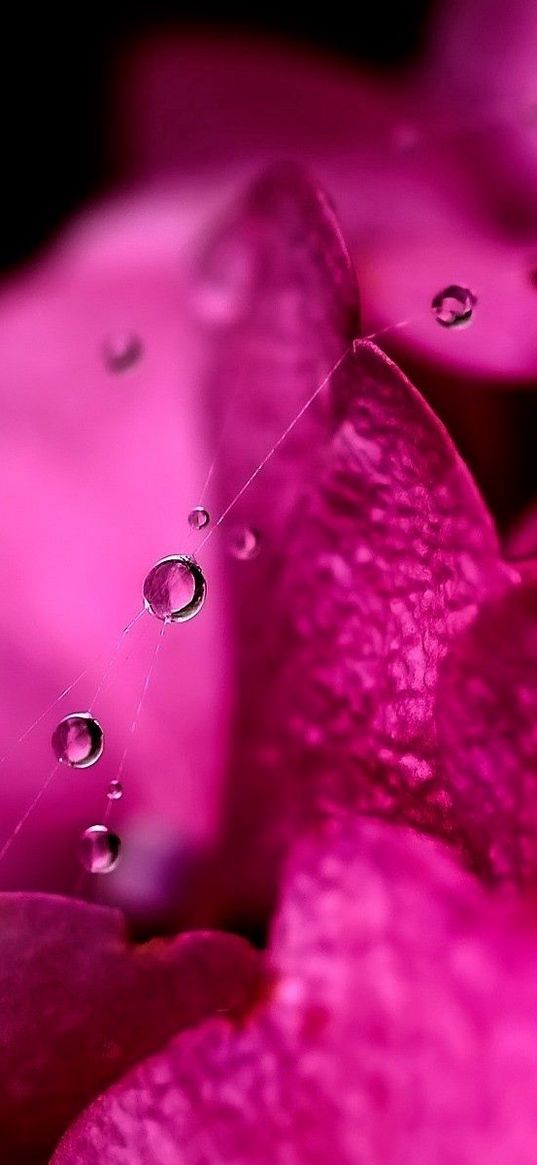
column 99, row 849
column 114, row 791
column 78, row 740
column 199, row 518
column 453, row 307
column 122, row 351
column 175, row 589
column 244, row 543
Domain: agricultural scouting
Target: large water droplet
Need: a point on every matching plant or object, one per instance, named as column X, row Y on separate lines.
column 78, row 740
column 199, row 518
column 453, row 307
column 121, row 351
column 114, row 791
column 99, row 849
column 244, row 543
column 175, row 589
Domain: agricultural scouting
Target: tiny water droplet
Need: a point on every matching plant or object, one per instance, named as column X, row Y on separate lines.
column 453, row 307
column 122, row 351
column 199, row 518
column 78, row 740
column 175, row 589
column 99, row 849
column 114, row 791
column 244, row 543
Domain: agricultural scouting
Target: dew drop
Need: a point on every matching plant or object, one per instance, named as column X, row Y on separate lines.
column 99, row 849
column 175, row 589
column 244, row 543
column 453, row 307
column 122, row 351
column 78, row 740
column 114, row 791
column 199, row 518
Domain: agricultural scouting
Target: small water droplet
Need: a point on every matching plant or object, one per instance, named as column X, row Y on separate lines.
column 453, row 307
column 199, row 518
column 244, row 543
column 114, row 791
column 99, row 849
column 175, row 589
column 78, row 740
column 122, row 351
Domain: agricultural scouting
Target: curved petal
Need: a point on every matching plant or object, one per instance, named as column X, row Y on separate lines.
column 487, row 716
column 281, row 306
column 401, row 1021
column 80, row 1004
column 390, row 553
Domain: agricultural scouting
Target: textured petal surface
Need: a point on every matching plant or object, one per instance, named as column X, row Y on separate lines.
column 390, row 554
column 278, row 294
column 401, row 1025
column 487, row 717
column 79, row 1004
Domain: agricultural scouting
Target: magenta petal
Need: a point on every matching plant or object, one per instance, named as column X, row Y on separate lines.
column 390, row 555
column 80, row 1004
column 292, row 312
column 401, row 1026
column 487, row 716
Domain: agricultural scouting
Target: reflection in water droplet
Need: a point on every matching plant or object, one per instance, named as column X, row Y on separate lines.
column 99, row 849
column 175, row 589
column 453, row 307
column 244, row 543
column 199, row 518
column 114, row 791
column 121, row 351
column 78, row 740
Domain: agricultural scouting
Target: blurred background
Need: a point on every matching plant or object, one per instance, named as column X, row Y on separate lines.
column 57, row 82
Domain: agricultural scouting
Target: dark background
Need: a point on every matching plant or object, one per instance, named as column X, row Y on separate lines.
column 55, row 72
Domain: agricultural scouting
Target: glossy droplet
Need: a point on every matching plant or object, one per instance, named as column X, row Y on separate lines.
column 99, row 849
column 114, row 791
column 175, row 589
column 121, row 351
column 453, row 307
column 244, row 543
column 199, row 518
column 78, row 740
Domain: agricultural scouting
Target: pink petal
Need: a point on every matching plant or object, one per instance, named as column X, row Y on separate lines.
column 80, row 1004
column 281, row 305
column 401, row 1025
column 435, row 179
column 388, row 558
column 101, row 470
column 487, row 716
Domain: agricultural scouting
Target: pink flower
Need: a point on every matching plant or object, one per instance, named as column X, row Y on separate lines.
column 374, row 661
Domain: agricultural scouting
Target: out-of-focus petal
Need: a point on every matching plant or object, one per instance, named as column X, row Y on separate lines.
column 100, row 469
column 521, row 541
column 80, row 1005
column 402, row 1021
